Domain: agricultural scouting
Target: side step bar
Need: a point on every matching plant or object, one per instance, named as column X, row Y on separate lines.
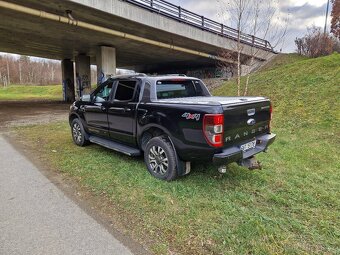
column 127, row 150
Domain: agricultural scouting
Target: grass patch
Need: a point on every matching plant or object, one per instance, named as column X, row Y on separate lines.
column 31, row 92
column 290, row 207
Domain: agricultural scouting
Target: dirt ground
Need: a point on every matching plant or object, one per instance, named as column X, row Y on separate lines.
column 17, row 113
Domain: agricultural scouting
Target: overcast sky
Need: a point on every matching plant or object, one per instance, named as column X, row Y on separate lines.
column 302, row 13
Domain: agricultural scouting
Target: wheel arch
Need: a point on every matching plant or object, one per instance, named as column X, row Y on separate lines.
column 154, row 131
column 149, row 132
column 72, row 117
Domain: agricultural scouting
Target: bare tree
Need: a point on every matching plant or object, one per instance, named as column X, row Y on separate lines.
column 8, row 72
column 316, row 43
column 267, row 24
column 260, row 18
column 235, row 10
column 20, row 73
column 24, row 70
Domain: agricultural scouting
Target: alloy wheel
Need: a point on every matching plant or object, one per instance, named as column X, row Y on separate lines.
column 76, row 130
column 158, row 160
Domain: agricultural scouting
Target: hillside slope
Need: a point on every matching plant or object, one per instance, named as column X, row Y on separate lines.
column 304, row 92
column 282, row 59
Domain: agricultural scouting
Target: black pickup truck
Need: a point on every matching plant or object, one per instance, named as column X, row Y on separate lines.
column 173, row 120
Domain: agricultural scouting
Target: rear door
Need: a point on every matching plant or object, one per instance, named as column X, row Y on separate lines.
column 122, row 111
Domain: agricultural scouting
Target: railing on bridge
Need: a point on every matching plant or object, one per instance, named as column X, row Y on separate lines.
column 176, row 12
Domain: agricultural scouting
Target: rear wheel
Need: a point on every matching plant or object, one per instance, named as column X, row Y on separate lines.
column 160, row 159
column 78, row 133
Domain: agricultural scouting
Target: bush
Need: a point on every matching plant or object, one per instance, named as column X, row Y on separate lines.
column 316, row 43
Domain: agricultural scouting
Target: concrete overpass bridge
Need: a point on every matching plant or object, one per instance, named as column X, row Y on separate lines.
column 143, row 35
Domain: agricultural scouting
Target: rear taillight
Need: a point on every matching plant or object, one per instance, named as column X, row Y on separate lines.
column 213, row 126
column 271, row 115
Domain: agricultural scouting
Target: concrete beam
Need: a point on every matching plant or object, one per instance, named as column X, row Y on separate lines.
column 83, row 75
column 106, row 63
column 68, row 80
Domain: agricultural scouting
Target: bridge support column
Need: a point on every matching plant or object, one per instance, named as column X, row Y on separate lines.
column 106, row 63
column 68, row 80
column 83, row 75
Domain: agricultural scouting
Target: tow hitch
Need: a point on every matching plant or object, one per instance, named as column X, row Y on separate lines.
column 250, row 163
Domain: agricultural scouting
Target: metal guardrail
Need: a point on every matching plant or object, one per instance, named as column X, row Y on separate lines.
column 178, row 13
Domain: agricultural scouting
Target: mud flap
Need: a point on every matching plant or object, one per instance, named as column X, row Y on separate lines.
column 183, row 168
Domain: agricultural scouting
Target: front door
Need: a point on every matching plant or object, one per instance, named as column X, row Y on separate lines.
column 122, row 111
column 95, row 113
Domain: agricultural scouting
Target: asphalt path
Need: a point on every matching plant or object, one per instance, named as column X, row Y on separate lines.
column 38, row 218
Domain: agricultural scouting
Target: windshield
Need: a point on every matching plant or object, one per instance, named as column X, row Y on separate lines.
column 180, row 88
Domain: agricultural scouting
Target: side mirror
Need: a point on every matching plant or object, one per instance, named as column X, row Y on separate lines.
column 86, row 98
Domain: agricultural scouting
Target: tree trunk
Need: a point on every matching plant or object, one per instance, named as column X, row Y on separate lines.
column 52, row 73
column 248, row 77
column 20, row 74
column 8, row 78
column 239, row 49
column 239, row 73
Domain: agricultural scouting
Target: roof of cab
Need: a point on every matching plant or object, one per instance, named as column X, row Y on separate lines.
column 153, row 77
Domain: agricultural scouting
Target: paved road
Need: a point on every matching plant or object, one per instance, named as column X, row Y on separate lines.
column 37, row 218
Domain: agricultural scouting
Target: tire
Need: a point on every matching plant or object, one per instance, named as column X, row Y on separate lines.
column 160, row 158
column 78, row 133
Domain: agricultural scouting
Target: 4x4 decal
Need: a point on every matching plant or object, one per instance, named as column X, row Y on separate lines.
column 191, row 116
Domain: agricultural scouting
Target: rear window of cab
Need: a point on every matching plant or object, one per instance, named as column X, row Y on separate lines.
column 177, row 88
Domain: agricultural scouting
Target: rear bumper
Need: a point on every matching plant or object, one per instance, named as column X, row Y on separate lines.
column 234, row 153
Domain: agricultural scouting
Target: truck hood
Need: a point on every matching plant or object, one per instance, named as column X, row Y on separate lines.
column 213, row 100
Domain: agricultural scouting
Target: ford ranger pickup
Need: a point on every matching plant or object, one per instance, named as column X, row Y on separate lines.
column 172, row 120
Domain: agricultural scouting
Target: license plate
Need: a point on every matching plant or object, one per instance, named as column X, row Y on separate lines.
column 248, row 146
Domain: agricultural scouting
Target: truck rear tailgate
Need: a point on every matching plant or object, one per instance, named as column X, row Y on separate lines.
column 244, row 121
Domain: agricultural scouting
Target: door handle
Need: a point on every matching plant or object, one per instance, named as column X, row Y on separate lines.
column 119, row 109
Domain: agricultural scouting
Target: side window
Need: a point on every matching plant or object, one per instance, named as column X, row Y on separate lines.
column 104, row 93
column 125, row 91
column 146, row 92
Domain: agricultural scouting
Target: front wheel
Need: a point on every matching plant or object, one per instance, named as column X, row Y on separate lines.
column 78, row 133
column 160, row 159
